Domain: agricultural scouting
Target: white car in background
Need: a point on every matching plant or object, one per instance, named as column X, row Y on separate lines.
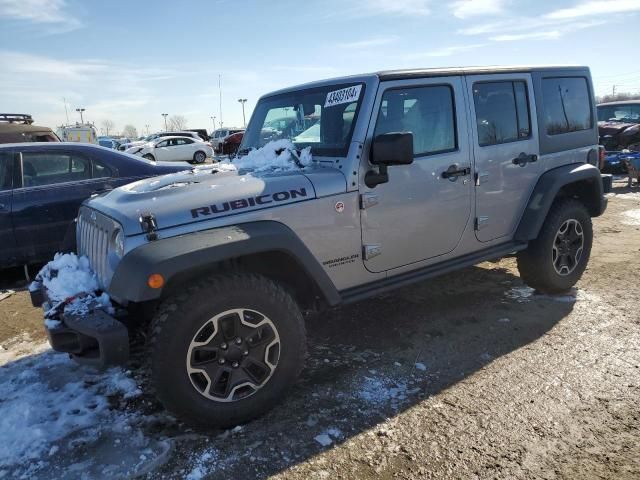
column 174, row 149
column 153, row 136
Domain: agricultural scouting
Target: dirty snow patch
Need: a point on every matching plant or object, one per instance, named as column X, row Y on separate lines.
column 379, row 391
column 421, row 366
column 58, row 415
column 520, row 294
column 327, row 437
column 204, row 464
column 632, row 217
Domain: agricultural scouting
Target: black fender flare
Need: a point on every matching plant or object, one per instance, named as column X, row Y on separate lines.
column 549, row 185
column 177, row 255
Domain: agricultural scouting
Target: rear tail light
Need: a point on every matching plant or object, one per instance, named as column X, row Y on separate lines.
column 601, row 157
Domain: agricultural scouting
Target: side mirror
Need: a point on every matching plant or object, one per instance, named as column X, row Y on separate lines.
column 392, row 149
column 389, row 149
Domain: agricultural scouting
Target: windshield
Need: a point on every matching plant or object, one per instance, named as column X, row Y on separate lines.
column 620, row 113
column 321, row 118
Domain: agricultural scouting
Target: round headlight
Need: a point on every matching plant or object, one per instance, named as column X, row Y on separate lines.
column 118, row 242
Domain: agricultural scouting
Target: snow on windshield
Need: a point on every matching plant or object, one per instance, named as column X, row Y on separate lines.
column 277, row 155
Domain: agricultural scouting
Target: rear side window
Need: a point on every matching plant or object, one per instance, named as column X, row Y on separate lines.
column 100, row 170
column 6, row 162
column 567, row 105
column 502, row 112
column 48, row 168
column 427, row 112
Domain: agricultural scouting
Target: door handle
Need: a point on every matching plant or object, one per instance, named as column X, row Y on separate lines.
column 523, row 159
column 455, row 171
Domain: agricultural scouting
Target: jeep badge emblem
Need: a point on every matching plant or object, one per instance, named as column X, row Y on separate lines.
column 94, row 217
column 340, row 207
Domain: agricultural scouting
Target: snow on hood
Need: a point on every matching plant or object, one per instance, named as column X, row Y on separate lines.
column 264, row 178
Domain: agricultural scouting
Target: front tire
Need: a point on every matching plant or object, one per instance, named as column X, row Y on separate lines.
column 148, row 156
column 226, row 351
column 555, row 261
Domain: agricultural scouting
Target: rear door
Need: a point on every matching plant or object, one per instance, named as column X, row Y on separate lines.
column 505, row 145
column 53, row 185
column 7, row 240
column 419, row 214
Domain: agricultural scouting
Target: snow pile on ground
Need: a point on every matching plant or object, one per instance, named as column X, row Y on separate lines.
column 68, row 276
column 520, row 294
column 628, row 196
column 52, row 406
column 380, row 391
column 277, row 156
column 632, row 217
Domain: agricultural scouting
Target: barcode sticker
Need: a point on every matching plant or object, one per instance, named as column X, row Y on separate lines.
column 344, row 95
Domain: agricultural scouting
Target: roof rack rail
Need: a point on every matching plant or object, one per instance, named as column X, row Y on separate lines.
column 16, row 118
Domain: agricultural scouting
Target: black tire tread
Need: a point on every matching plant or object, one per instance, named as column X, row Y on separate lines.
column 180, row 303
column 530, row 261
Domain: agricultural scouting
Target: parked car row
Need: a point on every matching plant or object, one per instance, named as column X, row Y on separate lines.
column 42, row 186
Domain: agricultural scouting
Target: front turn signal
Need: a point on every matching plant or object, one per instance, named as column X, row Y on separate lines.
column 155, row 280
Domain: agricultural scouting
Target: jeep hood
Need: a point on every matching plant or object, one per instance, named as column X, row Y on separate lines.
column 208, row 194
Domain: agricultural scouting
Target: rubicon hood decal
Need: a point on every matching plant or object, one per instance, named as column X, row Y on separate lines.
column 242, row 203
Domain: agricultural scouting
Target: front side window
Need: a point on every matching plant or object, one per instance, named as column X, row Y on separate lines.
column 567, row 105
column 427, row 112
column 48, row 168
column 162, row 144
column 293, row 116
column 100, row 170
column 502, row 112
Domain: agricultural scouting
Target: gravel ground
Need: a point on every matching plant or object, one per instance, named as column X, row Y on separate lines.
column 471, row 375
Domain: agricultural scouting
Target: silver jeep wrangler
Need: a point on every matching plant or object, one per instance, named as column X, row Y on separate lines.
column 414, row 173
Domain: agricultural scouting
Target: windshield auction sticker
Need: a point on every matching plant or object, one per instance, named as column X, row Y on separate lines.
column 344, row 95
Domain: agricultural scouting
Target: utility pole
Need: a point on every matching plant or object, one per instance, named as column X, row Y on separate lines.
column 242, row 102
column 165, row 115
column 147, row 127
column 81, row 118
column 66, row 113
column 220, row 95
column 613, row 90
column 213, row 119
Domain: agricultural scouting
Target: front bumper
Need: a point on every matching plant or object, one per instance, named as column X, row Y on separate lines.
column 95, row 338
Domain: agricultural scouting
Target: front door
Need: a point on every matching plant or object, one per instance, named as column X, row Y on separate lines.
column 54, row 184
column 7, row 241
column 419, row 214
column 506, row 151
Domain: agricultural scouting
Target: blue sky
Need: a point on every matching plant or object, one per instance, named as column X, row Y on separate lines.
column 130, row 61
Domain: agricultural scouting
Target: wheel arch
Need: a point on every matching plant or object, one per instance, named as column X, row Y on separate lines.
column 268, row 248
column 580, row 181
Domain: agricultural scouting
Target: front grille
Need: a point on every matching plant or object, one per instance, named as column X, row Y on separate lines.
column 93, row 234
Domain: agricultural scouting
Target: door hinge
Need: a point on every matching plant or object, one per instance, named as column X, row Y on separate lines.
column 368, row 200
column 370, row 251
column 481, row 222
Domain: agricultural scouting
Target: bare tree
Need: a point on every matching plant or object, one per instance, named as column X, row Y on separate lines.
column 177, row 122
column 617, row 97
column 130, row 131
column 108, row 125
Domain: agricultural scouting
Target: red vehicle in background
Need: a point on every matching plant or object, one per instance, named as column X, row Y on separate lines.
column 230, row 144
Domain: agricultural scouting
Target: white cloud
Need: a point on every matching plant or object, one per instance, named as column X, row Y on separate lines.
column 548, row 35
column 473, row 8
column 368, row 43
column 444, row 51
column 394, row 7
column 52, row 13
column 595, row 7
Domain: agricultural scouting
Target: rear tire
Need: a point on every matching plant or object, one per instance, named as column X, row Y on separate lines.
column 148, row 156
column 555, row 261
column 227, row 350
column 199, row 157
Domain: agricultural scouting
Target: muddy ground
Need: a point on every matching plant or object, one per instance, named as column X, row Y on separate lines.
column 471, row 375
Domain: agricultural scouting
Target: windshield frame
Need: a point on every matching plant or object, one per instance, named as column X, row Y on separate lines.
column 317, row 151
